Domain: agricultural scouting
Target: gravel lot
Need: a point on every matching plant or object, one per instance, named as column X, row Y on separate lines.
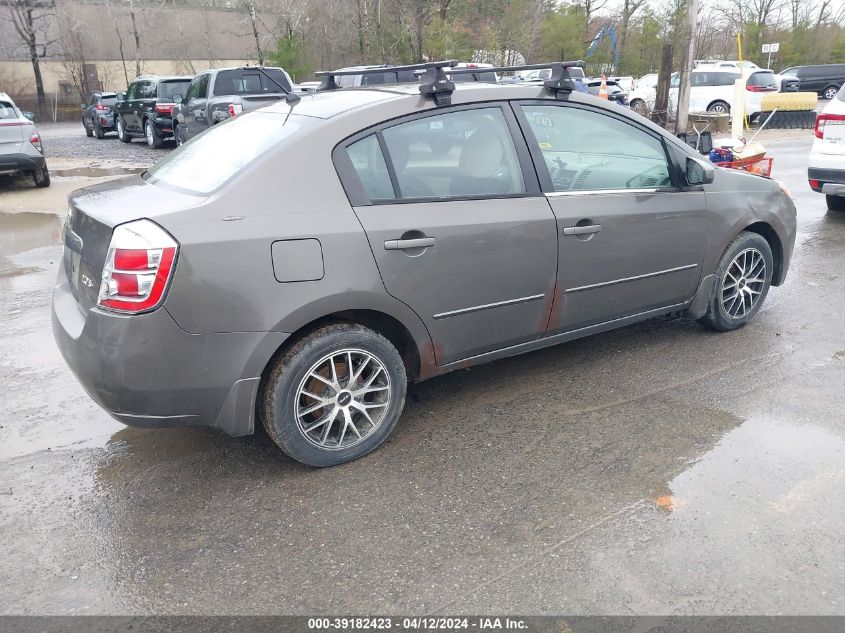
column 67, row 142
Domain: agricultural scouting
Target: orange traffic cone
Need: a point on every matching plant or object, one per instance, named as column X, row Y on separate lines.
column 603, row 88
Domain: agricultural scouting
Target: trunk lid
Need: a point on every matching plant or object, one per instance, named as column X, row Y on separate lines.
column 94, row 212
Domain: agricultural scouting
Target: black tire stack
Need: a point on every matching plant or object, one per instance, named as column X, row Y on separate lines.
column 789, row 119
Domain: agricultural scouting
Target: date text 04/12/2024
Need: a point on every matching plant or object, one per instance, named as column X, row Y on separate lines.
column 417, row 623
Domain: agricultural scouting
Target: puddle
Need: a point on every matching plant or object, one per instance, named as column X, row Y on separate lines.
column 21, row 232
column 95, row 172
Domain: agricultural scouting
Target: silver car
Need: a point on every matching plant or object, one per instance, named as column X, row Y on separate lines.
column 21, row 149
column 296, row 266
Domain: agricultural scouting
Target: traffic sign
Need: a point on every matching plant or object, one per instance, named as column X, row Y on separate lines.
column 767, row 48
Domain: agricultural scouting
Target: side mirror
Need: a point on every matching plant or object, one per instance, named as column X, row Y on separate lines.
column 29, row 115
column 82, row 105
column 121, row 96
column 699, row 172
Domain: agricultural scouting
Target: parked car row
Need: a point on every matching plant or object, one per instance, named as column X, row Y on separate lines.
column 160, row 108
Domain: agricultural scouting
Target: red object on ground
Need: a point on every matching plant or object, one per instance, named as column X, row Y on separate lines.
column 759, row 166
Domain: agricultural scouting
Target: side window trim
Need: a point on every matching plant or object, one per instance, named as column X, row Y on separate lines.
column 540, row 163
column 355, row 190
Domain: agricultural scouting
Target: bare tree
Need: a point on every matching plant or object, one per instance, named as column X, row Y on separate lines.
column 249, row 5
column 31, row 19
column 629, row 8
column 137, row 36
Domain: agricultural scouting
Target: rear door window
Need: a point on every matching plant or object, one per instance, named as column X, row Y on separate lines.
column 463, row 153
column 585, row 150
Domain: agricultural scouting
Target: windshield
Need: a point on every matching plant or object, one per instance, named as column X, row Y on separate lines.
column 233, row 145
column 166, row 89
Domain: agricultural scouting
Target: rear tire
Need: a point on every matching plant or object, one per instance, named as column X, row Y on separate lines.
column 41, row 177
column 719, row 107
column 360, row 410
column 835, row 203
column 743, row 278
column 178, row 135
column 639, row 106
column 122, row 134
column 150, row 136
column 98, row 132
column 88, row 131
column 829, row 92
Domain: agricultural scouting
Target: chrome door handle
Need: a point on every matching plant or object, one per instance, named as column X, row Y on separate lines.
column 398, row 245
column 582, row 230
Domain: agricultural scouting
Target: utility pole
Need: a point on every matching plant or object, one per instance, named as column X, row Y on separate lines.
column 686, row 68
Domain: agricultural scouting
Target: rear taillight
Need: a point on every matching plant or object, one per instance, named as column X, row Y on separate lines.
column 235, row 109
column 761, row 88
column 138, row 267
column 165, row 108
column 35, row 139
column 822, row 119
column 102, row 107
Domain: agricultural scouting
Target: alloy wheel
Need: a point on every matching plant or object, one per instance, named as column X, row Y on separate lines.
column 342, row 399
column 150, row 134
column 743, row 283
column 120, row 128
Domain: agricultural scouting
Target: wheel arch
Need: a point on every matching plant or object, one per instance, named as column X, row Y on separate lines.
column 715, row 101
column 765, row 230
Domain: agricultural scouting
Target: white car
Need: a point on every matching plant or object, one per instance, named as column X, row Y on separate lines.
column 826, row 170
column 711, row 90
column 21, row 150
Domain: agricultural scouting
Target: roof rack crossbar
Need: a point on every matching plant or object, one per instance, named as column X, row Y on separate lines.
column 434, row 82
column 560, row 83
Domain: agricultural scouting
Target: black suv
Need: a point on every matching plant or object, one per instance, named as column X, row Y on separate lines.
column 824, row 79
column 97, row 117
column 146, row 110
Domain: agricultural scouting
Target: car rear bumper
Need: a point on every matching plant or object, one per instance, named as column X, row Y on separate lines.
column 21, row 162
column 144, row 370
column 821, row 176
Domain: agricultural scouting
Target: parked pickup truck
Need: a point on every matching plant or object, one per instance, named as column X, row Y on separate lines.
column 218, row 94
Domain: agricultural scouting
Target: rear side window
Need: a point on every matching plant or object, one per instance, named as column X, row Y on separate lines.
column 146, row 90
column 166, row 89
column 7, row 110
column 463, row 153
column 587, row 151
column 368, row 161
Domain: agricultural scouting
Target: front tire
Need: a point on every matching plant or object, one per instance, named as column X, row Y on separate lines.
column 153, row 140
column 98, row 132
column 639, row 106
column 122, row 134
column 835, row 203
column 335, row 395
column 743, row 279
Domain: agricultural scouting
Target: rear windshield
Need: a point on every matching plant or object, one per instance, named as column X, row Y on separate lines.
column 7, row 110
column 764, row 80
column 250, row 82
column 109, row 101
column 233, row 144
column 166, row 89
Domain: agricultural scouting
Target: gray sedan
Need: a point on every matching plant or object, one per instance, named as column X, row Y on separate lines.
column 296, row 266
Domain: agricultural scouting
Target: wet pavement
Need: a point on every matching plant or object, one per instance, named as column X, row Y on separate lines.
column 657, row 469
